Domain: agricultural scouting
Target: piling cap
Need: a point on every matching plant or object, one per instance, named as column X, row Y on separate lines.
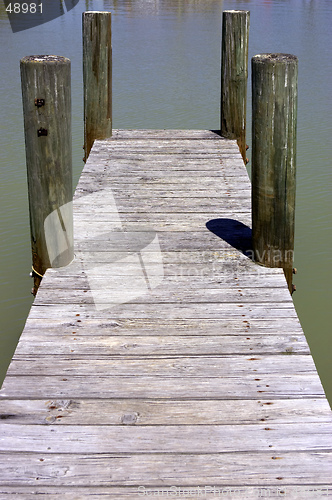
column 275, row 58
column 45, row 58
column 236, row 11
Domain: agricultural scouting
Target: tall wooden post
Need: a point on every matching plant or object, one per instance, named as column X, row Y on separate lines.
column 46, row 97
column 274, row 118
column 97, row 77
column 234, row 75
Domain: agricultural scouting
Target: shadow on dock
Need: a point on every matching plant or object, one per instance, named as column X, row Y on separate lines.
column 234, row 232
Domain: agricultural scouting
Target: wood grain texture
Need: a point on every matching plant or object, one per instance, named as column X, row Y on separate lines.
column 164, row 470
column 70, row 492
column 97, row 77
column 205, row 378
column 47, row 127
column 274, row 126
column 234, row 75
column 163, row 412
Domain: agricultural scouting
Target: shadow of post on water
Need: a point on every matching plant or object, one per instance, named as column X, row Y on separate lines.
column 234, row 232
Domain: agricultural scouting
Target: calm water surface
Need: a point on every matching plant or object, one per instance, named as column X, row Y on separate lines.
column 166, row 75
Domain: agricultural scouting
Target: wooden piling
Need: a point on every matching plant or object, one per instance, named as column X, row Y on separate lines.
column 234, row 74
column 46, row 97
column 274, row 117
column 97, row 77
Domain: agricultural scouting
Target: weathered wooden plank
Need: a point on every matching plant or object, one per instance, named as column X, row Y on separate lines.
column 81, row 312
column 298, row 492
column 122, row 230
column 167, row 438
column 173, row 147
column 163, row 205
column 186, row 141
column 279, row 386
column 38, row 344
column 171, row 134
column 180, row 263
column 183, row 221
column 120, row 291
column 255, row 469
column 159, row 187
column 158, row 412
column 256, row 367
column 145, row 205
column 220, row 168
column 157, row 326
column 165, row 168
column 227, row 265
column 186, row 277
column 167, row 137
column 244, row 386
column 191, row 134
column 154, row 180
column 131, row 191
column 198, row 239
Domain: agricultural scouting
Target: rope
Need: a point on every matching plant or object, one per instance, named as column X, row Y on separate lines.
column 36, row 272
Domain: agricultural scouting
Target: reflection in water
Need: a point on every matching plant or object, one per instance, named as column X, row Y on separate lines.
column 157, row 7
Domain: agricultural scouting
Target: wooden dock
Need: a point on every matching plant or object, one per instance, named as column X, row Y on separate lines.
column 163, row 361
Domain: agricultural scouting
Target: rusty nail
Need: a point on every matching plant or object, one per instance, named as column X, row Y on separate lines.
column 39, row 103
column 42, row 131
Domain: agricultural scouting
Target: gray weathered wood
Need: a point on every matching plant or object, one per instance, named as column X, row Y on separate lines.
column 293, row 492
column 274, row 117
column 163, row 294
column 167, row 439
column 160, row 345
column 169, row 326
column 163, row 412
column 97, row 77
column 171, row 366
column 273, row 386
column 81, row 312
column 234, row 75
column 46, row 99
column 113, row 469
column 204, row 379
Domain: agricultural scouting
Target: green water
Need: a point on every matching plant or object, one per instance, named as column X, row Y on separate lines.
column 166, row 65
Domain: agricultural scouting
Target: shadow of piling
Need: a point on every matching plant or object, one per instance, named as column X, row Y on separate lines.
column 234, row 232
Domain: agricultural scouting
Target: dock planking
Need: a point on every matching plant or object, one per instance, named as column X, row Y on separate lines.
column 163, row 356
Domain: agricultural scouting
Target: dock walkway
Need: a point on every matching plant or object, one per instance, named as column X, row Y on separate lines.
column 163, row 361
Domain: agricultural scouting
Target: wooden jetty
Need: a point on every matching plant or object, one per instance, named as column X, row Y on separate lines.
column 163, row 361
